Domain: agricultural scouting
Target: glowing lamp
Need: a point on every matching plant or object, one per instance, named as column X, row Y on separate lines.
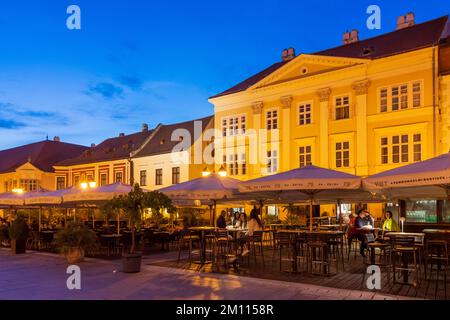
column 222, row 172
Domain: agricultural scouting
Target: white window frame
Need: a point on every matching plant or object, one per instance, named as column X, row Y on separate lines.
column 305, row 113
column 233, row 125
column 408, row 97
column 272, row 161
column 335, row 106
column 272, row 122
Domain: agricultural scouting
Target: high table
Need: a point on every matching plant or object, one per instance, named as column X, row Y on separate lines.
column 418, row 238
column 328, row 233
column 202, row 231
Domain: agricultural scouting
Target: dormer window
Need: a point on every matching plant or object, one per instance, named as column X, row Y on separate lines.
column 367, row 51
column 162, row 141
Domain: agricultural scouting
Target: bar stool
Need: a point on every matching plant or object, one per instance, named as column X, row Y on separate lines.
column 403, row 247
column 317, row 254
column 282, row 240
column 221, row 244
column 302, row 249
column 256, row 240
column 437, row 255
column 189, row 238
column 384, row 255
column 336, row 251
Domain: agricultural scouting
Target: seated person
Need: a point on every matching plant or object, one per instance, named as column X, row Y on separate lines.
column 356, row 231
column 389, row 223
column 242, row 222
column 221, row 222
column 254, row 224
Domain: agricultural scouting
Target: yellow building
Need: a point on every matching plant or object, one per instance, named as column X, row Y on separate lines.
column 30, row 167
column 364, row 107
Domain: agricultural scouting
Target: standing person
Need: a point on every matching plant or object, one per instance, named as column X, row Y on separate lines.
column 221, row 222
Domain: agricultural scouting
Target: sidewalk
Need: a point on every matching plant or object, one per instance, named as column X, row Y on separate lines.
column 43, row 276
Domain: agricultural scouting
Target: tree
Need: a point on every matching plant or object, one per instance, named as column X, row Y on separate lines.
column 133, row 204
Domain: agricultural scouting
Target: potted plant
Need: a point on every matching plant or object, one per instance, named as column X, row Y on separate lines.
column 74, row 241
column 18, row 234
column 132, row 206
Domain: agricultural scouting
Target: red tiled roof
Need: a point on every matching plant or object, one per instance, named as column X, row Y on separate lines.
column 110, row 149
column 412, row 38
column 162, row 143
column 42, row 155
column 253, row 79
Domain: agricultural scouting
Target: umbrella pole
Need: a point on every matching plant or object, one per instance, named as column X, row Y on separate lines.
column 311, row 214
column 118, row 223
column 214, row 213
column 39, row 228
column 339, row 213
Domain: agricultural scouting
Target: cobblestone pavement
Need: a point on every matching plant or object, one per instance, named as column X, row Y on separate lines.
column 43, row 276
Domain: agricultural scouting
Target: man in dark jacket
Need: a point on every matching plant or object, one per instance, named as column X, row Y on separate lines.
column 361, row 221
column 221, row 222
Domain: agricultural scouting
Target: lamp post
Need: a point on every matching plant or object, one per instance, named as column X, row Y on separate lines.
column 85, row 185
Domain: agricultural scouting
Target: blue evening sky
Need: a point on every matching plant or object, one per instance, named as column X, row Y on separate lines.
column 154, row 61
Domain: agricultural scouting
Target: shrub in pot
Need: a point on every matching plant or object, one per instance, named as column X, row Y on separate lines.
column 132, row 206
column 18, row 234
column 74, row 241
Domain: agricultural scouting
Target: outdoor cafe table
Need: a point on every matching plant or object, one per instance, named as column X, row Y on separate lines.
column 327, row 233
column 202, row 231
column 418, row 238
column 111, row 240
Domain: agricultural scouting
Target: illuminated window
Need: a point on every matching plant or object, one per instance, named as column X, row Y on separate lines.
column 342, row 154
column 304, row 112
column 304, row 156
column 342, row 108
column 272, row 161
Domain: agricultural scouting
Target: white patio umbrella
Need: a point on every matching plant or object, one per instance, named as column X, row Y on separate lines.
column 11, row 199
column 307, row 182
column 425, row 179
column 103, row 193
column 211, row 189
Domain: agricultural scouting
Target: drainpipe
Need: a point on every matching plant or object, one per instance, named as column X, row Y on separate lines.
column 434, row 101
column 131, row 170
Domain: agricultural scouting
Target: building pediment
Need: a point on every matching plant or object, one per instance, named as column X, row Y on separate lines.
column 304, row 66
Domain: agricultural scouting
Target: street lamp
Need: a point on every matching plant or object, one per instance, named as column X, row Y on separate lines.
column 88, row 185
column 206, row 172
column 17, row 190
column 222, row 172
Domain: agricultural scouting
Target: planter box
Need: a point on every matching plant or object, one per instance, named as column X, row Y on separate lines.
column 132, row 262
column 18, row 246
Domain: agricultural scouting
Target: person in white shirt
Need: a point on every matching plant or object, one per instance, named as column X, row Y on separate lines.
column 254, row 224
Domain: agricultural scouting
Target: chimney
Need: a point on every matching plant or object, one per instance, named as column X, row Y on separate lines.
column 284, row 55
column 56, row 139
column 350, row 37
column 288, row 54
column 405, row 21
column 354, row 36
column 346, row 38
column 144, row 127
column 92, row 145
column 121, row 134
